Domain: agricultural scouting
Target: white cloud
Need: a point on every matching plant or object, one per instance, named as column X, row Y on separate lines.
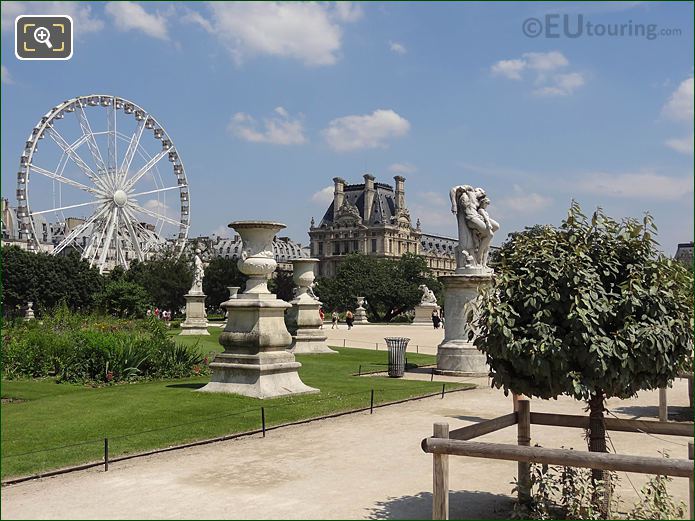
column 367, row 131
column 543, row 66
column 522, row 203
column 223, row 231
column 641, row 185
column 545, row 61
column 402, row 168
column 561, row 85
column 512, row 69
column 6, row 78
column 81, row 14
column 679, row 106
column 683, row 145
column 194, row 17
column 159, row 207
column 279, row 129
column 348, row 11
column 324, row 196
column 309, row 32
column 398, row 48
column 131, row 16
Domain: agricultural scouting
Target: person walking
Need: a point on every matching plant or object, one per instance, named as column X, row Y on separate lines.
column 436, row 321
column 334, row 318
column 349, row 319
column 321, row 316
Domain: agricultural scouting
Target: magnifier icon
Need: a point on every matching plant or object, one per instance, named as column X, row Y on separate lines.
column 43, row 35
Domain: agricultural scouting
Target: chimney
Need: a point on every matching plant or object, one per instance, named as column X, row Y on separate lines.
column 400, row 192
column 338, row 194
column 369, row 193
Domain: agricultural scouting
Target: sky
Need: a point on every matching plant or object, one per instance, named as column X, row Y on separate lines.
column 266, row 103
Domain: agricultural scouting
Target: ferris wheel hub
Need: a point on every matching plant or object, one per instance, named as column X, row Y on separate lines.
column 120, row 198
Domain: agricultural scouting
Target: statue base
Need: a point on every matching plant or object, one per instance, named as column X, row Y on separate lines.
column 457, row 354
column 303, row 322
column 255, row 361
column 423, row 313
column 196, row 322
column 361, row 316
column 461, row 359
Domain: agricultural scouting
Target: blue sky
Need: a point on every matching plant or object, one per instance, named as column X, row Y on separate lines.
column 267, row 103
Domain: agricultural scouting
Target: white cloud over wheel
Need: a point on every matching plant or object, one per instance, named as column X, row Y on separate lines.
column 278, row 129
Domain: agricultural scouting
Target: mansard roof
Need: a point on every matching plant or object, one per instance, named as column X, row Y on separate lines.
column 383, row 206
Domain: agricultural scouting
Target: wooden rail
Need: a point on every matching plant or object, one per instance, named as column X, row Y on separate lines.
column 456, row 443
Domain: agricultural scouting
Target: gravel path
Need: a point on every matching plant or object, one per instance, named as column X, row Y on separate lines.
column 359, row 466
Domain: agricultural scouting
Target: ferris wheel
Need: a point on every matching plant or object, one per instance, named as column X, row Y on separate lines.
column 99, row 184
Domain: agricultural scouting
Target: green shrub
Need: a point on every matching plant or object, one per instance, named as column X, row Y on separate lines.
column 79, row 348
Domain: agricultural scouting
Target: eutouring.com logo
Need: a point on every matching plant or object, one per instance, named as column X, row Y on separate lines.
column 557, row 25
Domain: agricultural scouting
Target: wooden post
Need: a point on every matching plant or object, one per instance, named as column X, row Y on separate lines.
column 263, row 420
column 440, row 491
column 515, row 402
column 432, row 376
column 443, row 386
column 524, row 439
column 371, row 403
column 692, row 484
column 106, row 454
column 663, row 405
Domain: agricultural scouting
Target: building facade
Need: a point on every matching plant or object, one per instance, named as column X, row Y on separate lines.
column 684, row 253
column 372, row 218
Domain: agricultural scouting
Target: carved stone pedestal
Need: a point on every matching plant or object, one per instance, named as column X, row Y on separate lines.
column 303, row 320
column 360, row 315
column 196, row 322
column 255, row 361
column 423, row 313
column 457, row 355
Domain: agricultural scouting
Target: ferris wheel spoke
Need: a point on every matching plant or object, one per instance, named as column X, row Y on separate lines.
column 82, row 227
column 67, row 207
column 107, row 243
column 111, row 121
column 133, row 236
column 148, row 166
column 132, row 147
column 64, row 180
column 155, row 214
column 72, row 154
column 157, row 190
column 148, row 235
column 91, row 142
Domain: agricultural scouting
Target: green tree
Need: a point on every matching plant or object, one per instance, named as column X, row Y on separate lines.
column 390, row 286
column 47, row 280
column 282, row 284
column 590, row 310
column 124, row 299
column 220, row 274
column 166, row 279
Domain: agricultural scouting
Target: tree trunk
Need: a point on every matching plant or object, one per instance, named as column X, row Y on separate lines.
column 597, row 443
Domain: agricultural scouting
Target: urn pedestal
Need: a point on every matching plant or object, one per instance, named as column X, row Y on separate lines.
column 303, row 319
column 196, row 322
column 360, row 315
column 29, row 312
column 457, row 355
column 423, row 313
column 255, row 361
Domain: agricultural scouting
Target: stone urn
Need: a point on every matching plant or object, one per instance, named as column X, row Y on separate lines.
column 303, row 275
column 360, row 312
column 29, row 313
column 257, row 258
column 233, row 290
column 255, row 361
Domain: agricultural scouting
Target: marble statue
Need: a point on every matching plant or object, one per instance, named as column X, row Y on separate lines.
column 428, row 296
column 198, row 273
column 475, row 226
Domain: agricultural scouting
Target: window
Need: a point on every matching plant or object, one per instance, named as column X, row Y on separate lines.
column 320, row 248
column 373, row 245
column 355, row 247
column 336, row 248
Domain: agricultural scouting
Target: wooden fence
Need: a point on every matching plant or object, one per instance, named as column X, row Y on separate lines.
column 457, row 443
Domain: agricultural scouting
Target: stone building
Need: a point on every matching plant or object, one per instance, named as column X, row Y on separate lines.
column 284, row 248
column 372, row 218
column 684, row 253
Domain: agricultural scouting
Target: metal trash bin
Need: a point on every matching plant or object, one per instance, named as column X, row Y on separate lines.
column 396, row 346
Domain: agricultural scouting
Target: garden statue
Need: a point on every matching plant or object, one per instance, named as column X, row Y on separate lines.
column 475, row 228
column 428, row 296
column 196, row 322
column 198, row 273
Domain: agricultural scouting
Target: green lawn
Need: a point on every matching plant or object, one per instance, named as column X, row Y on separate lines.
column 141, row 416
